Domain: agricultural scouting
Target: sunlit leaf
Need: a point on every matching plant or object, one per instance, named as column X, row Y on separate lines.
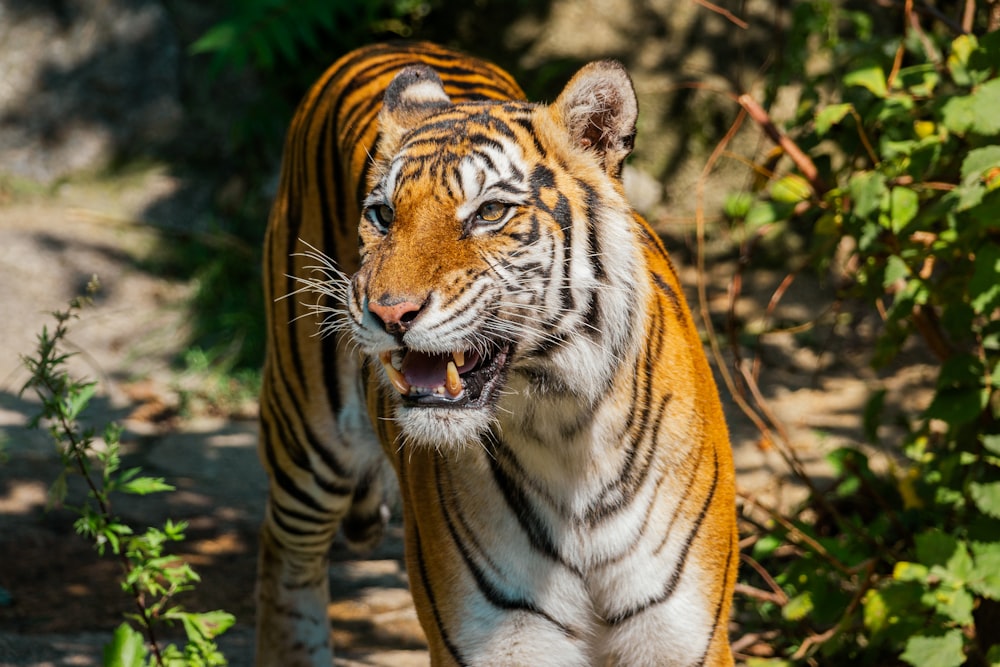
column 872, row 78
column 935, row 651
column 904, row 205
column 975, row 113
column 830, row 116
column 868, row 189
column 798, row 607
column 986, row 495
column 127, row 648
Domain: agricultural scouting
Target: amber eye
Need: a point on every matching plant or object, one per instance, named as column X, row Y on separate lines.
column 380, row 215
column 491, row 211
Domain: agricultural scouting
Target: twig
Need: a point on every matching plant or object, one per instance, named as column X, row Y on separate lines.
column 723, row 12
column 897, row 62
column 823, row 637
column 778, row 594
column 798, row 535
column 933, row 12
column 968, row 15
column 746, row 590
column 801, row 160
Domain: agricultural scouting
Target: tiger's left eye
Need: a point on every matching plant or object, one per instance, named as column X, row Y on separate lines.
column 491, row 211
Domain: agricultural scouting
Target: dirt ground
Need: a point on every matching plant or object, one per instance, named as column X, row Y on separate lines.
column 58, row 599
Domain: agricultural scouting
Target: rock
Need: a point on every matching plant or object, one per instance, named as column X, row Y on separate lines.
column 84, row 82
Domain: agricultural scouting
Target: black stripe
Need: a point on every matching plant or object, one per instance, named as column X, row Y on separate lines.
column 675, row 578
column 719, row 605
column 520, row 504
column 283, row 479
column 669, row 292
column 414, row 533
column 328, row 457
column 490, row 592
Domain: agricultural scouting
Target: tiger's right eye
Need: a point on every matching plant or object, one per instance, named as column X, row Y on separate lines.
column 380, row 215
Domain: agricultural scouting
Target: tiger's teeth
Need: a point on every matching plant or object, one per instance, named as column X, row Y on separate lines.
column 459, row 358
column 395, row 377
column 453, row 381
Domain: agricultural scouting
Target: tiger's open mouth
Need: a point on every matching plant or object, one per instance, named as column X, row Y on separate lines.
column 459, row 379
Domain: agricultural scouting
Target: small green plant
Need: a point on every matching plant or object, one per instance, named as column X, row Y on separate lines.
column 151, row 576
column 895, row 175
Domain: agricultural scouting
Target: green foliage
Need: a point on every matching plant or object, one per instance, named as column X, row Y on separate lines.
column 152, row 577
column 287, row 44
column 901, row 127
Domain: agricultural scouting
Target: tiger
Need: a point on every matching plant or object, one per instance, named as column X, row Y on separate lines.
column 465, row 313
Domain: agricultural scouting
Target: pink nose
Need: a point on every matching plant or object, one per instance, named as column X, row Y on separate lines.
column 395, row 318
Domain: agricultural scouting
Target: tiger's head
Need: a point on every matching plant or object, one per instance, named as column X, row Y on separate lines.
column 498, row 252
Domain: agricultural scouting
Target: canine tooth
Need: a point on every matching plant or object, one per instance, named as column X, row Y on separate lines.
column 459, row 358
column 453, row 381
column 395, row 377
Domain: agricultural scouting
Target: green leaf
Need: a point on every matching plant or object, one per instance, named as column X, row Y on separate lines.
column 127, row 648
column 142, row 486
column 904, row 571
column 958, row 59
column 991, row 442
column 791, row 189
column 954, row 603
column 986, row 495
column 985, row 576
column 895, row 269
column 957, row 405
column 944, row 555
column 77, row 400
column 872, row 78
column 903, row 206
column 935, row 651
column 975, row 113
column 766, row 212
column 798, row 607
column 984, row 287
column 868, row 191
column 977, row 161
column 738, row 205
column 830, row 116
column 766, row 545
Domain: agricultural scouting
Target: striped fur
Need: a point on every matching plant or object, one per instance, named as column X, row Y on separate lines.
column 567, row 490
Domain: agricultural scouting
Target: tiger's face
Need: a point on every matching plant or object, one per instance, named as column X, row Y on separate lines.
column 470, row 271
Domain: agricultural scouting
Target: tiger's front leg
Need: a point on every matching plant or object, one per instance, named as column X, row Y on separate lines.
column 292, row 599
column 324, row 477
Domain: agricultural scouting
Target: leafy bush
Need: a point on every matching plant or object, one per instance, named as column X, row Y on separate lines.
column 152, row 577
column 899, row 171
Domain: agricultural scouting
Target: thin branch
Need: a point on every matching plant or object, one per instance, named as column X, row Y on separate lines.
column 968, row 15
column 735, row 20
column 777, row 593
column 897, row 62
column 801, row 160
column 933, row 12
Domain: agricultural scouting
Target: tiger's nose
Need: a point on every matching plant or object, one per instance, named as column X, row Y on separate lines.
column 395, row 317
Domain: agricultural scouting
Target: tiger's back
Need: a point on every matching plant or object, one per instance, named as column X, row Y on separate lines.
column 527, row 362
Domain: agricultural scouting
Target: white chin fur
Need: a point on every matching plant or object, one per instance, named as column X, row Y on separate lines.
column 443, row 427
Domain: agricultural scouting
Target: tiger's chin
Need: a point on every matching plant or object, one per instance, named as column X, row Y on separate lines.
column 446, row 399
column 443, row 428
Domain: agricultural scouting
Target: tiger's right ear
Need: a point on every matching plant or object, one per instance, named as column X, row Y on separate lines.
column 415, row 93
column 599, row 109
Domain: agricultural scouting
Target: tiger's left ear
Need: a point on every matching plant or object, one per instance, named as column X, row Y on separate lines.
column 414, row 93
column 599, row 108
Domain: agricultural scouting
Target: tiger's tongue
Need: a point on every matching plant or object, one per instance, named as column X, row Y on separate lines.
column 425, row 370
